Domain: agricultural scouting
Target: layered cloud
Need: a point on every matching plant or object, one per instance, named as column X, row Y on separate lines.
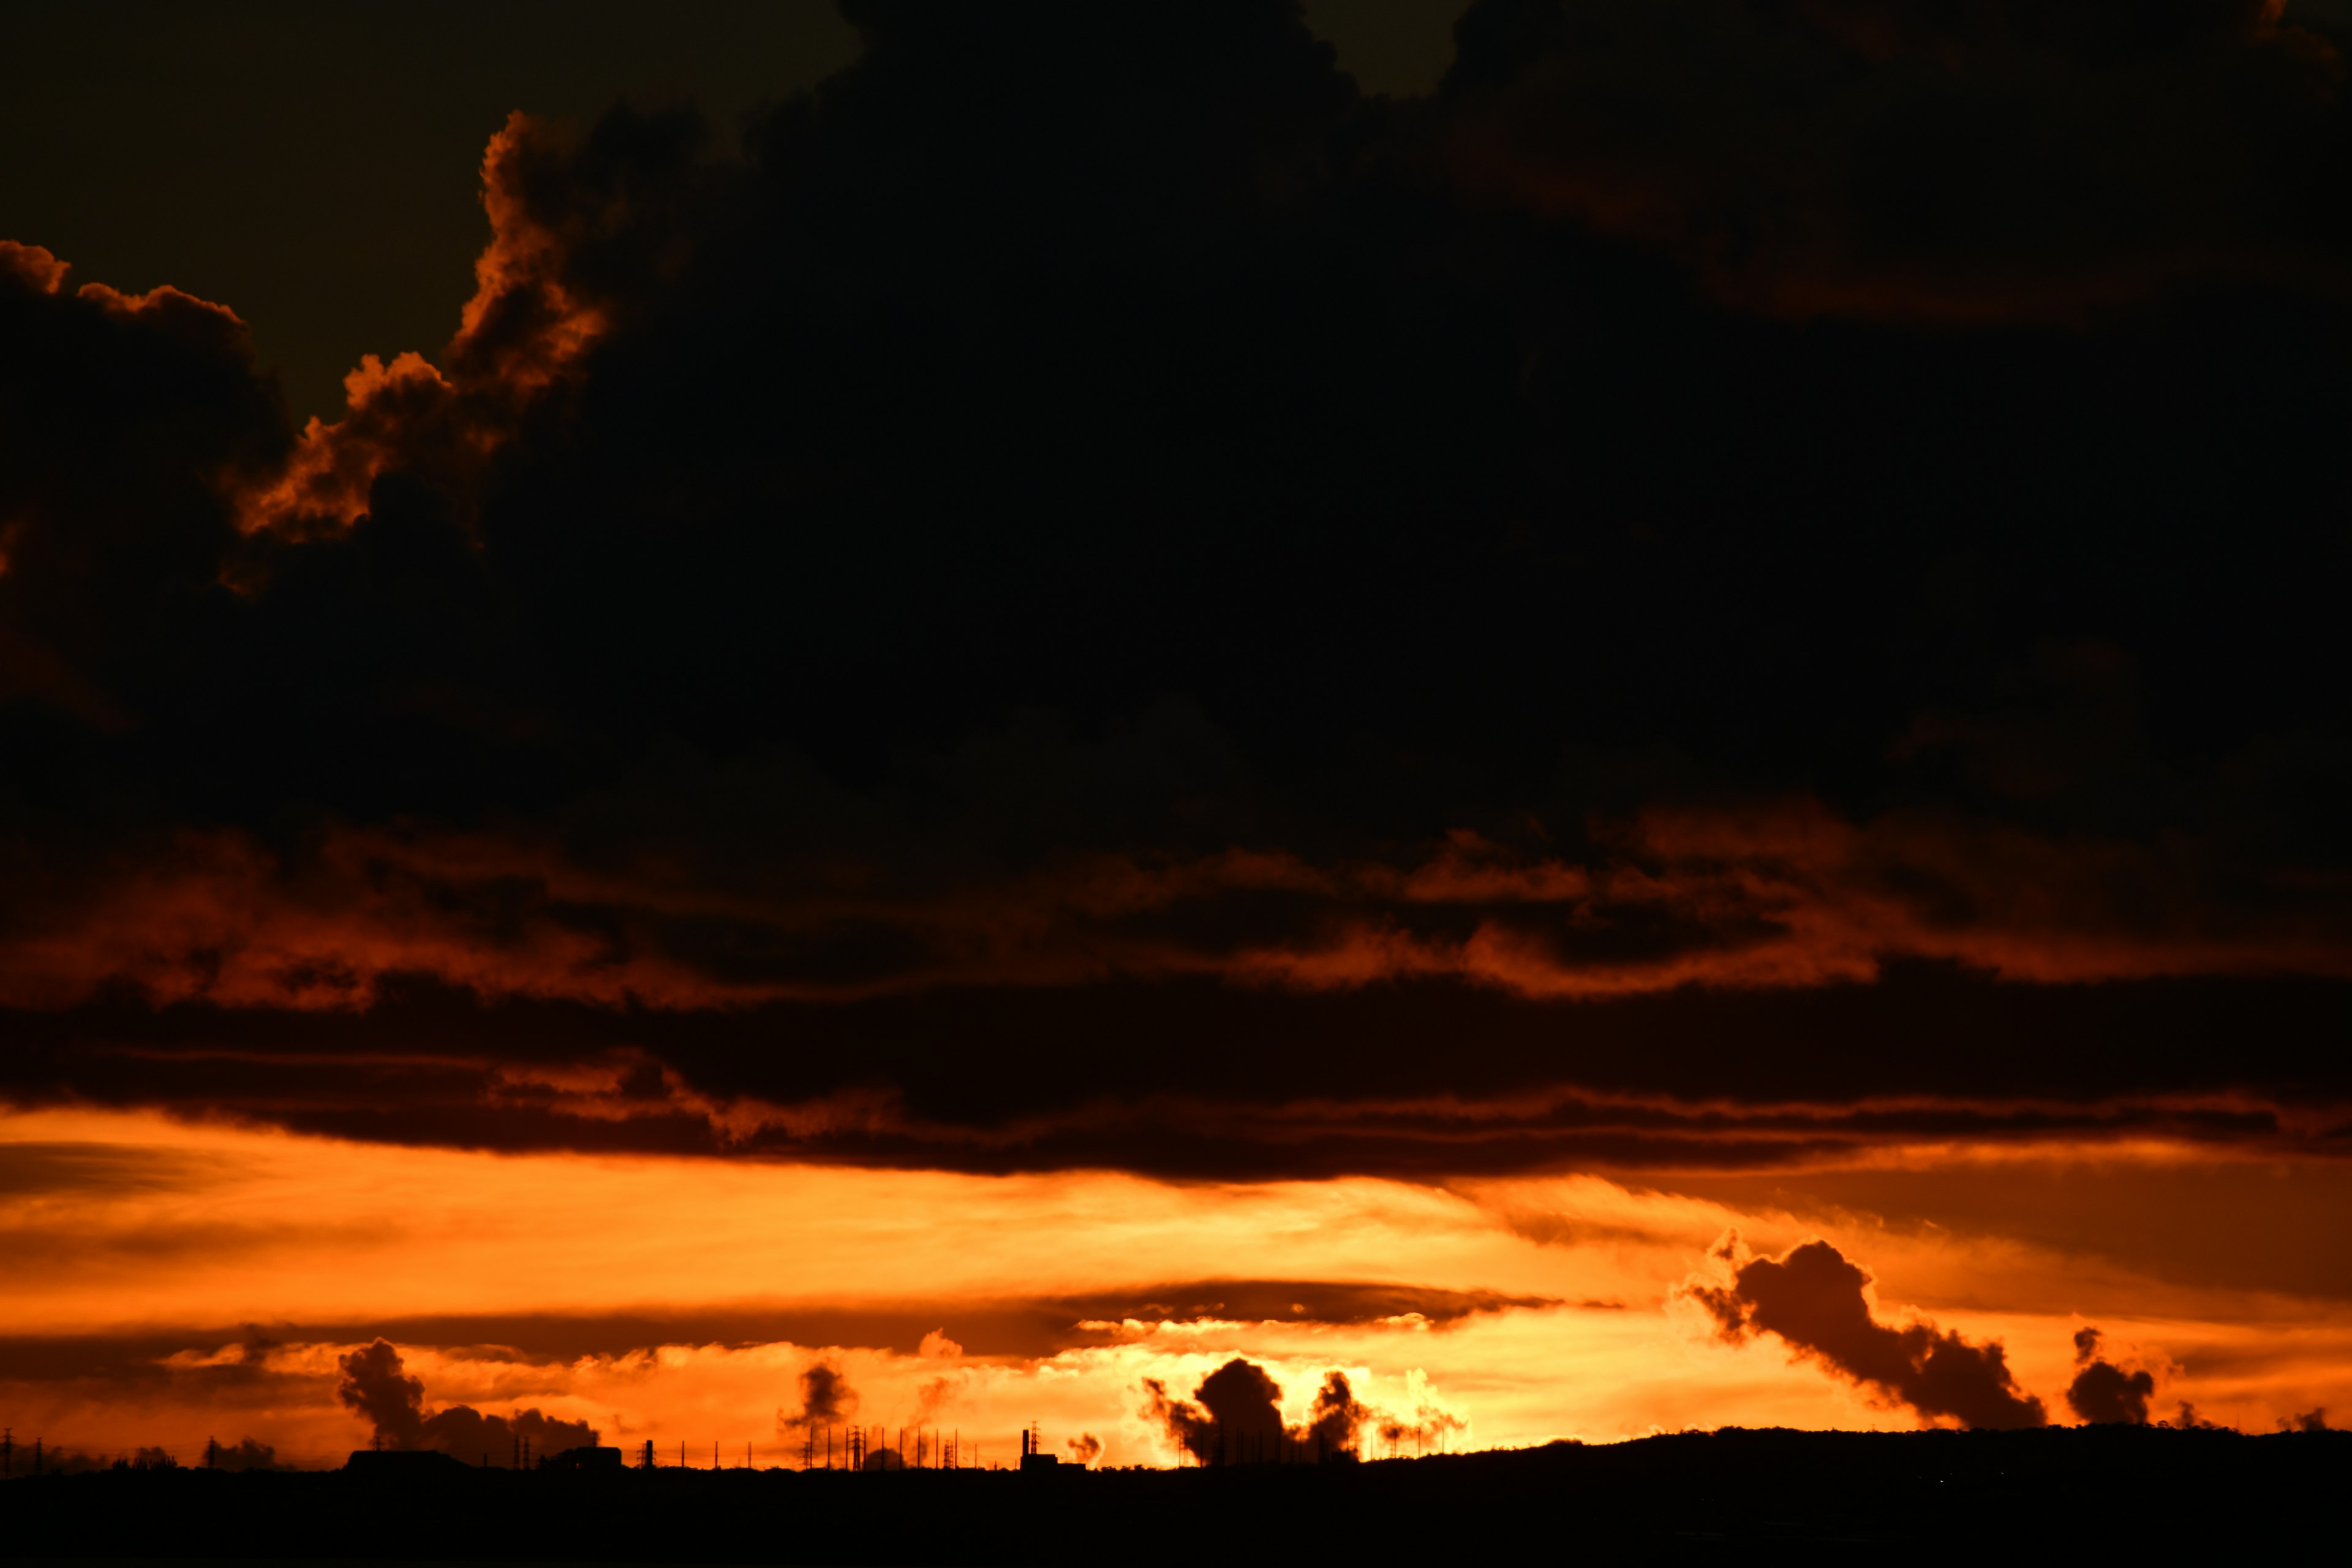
column 1133, row 606
column 469, row 1300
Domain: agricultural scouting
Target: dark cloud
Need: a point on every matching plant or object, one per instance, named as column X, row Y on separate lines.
column 1011, row 1079
column 1925, row 161
column 825, row 1399
column 2103, row 1391
column 35, row 1166
column 231, row 1368
column 1085, row 1447
column 1332, row 1426
column 2312, row 1420
column 244, row 1455
column 376, row 1385
column 1815, row 1302
column 1234, row 1417
column 126, row 412
column 1779, row 525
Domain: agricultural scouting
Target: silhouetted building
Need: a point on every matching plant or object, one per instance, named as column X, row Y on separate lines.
column 403, row 1464
column 1032, row 1452
column 586, row 1458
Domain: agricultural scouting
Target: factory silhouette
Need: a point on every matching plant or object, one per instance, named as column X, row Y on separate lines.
column 1249, row 1485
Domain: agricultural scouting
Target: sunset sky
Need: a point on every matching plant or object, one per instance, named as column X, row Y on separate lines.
column 724, row 719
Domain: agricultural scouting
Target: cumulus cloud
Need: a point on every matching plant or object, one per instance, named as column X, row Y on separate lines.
column 2104, row 1392
column 567, row 223
column 1819, row 1304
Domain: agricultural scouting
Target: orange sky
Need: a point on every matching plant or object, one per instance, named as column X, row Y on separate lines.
column 1015, row 732
column 163, row 1239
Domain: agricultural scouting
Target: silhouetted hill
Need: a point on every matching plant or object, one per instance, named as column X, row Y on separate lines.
column 1674, row 1498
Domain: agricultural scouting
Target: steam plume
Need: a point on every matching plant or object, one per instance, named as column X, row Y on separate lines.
column 2103, row 1391
column 1813, row 1299
column 376, row 1384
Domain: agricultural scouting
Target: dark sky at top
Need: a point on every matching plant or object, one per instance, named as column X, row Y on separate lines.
column 1053, row 583
column 313, row 165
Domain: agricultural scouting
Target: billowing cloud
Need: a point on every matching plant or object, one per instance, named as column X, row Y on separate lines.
column 1393, row 618
column 568, row 225
column 1819, row 1304
column 2104, row 1392
column 376, row 1385
column 1338, row 1417
column 825, row 1399
column 1233, row 1417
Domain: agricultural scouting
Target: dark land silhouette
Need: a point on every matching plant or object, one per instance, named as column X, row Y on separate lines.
column 1669, row 1497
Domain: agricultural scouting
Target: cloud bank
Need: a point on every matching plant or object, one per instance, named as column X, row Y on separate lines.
column 1092, row 526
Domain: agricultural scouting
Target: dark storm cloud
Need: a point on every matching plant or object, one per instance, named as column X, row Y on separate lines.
column 1112, row 590
column 1008, row 1078
column 124, row 412
column 1814, row 1299
column 2104, row 1392
column 1921, row 160
column 377, row 1387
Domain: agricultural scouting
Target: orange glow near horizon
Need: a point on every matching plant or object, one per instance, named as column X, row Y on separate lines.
column 174, row 1234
